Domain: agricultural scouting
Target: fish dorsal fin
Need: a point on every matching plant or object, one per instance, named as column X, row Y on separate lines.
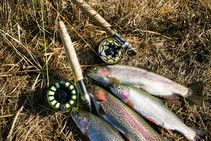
column 125, row 136
column 113, row 80
column 86, row 134
column 101, row 109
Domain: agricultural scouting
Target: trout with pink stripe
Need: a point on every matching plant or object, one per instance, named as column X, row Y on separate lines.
column 150, row 82
column 132, row 126
column 153, row 109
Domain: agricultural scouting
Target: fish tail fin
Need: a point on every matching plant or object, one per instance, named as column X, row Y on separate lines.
column 196, row 88
column 201, row 134
column 195, row 93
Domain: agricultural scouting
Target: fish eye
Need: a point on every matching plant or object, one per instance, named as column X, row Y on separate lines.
column 94, row 68
column 117, row 86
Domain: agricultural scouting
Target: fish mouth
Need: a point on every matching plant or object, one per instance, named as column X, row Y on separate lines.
column 94, row 75
column 90, row 90
column 74, row 114
column 99, row 79
column 81, row 119
column 75, row 118
column 91, row 73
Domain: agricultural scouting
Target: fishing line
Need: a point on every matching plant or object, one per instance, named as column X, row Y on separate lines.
column 71, row 27
column 44, row 42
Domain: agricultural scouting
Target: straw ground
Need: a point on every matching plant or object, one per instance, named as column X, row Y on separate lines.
column 172, row 37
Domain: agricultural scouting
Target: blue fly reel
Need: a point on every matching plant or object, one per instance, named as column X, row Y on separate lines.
column 110, row 50
column 62, row 95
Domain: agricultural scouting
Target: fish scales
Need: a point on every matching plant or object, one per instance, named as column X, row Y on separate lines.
column 129, row 117
column 122, row 117
column 94, row 128
column 152, row 83
column 120, row 71
column 151, row 108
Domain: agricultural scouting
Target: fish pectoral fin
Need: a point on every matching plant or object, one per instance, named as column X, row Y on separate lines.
column 113, row 80
column 151, row 120
column 102, row 110
column 86, row 134
column 125, row 136
column 129, row 103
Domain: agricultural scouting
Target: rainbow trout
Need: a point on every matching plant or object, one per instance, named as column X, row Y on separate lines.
column 132, row 126
column 150, row 82
column 153, row 109
column 95, row 128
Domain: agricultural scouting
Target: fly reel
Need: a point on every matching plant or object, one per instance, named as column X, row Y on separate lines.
column 62, row 95
column 110, row 50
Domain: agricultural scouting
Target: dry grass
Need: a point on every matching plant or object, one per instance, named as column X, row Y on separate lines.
column 173, row 38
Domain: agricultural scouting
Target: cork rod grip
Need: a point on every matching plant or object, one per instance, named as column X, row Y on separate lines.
column 70, row 52
column 100, row 21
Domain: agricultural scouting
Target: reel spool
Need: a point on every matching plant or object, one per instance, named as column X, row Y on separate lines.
column 62, row 95
column 110, row 50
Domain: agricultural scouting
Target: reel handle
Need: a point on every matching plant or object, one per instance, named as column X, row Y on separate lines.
column 125, row 44
column 100, row 21
column 133, row 50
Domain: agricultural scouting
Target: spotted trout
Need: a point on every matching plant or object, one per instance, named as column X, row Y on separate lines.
column 153, row 109
column 152, row 83
column 95, row 128
column 131, row 125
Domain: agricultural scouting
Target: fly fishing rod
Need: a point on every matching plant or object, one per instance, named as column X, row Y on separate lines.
column 111, row 49
column 78, row 76
column 63, row 94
